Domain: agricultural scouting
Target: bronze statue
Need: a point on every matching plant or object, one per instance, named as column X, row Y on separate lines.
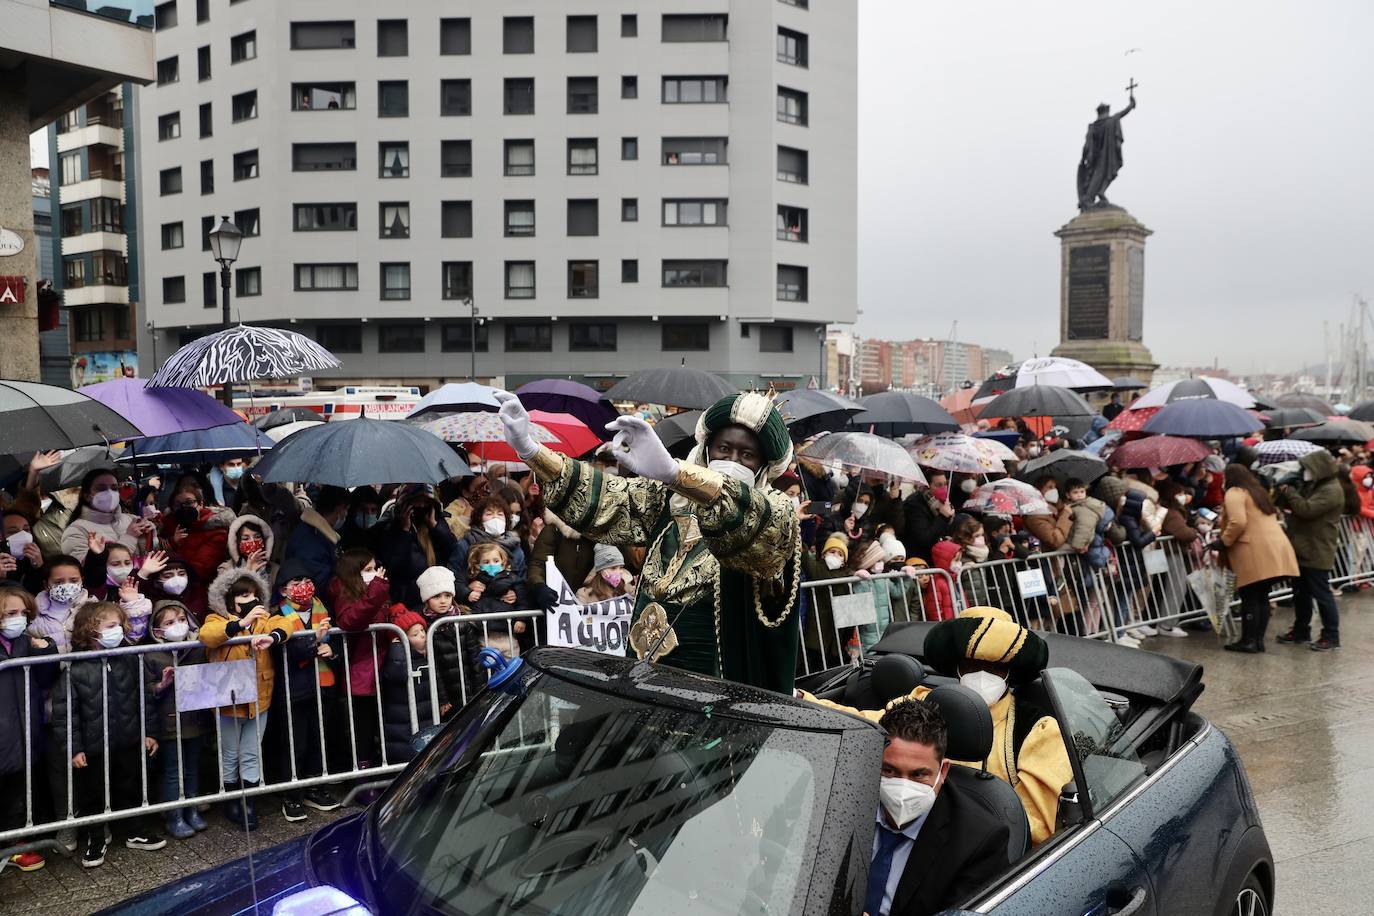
column 1101, row 158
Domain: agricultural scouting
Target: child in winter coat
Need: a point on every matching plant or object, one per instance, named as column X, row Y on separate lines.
column 455, row 646
column 608, row 578
column 179, row 742
column 107, row 704
column 59, row 602
column 405, row 673
column 1091, row 517
column 360, row 595
column 500, row 589
column 871, row 560
column 21, row 736
column 108, row 571
column 250, row 545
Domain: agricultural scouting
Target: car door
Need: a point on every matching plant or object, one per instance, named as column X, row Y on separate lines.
column 1089, row 872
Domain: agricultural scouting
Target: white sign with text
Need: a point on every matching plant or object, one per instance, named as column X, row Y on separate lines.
column 601, row 627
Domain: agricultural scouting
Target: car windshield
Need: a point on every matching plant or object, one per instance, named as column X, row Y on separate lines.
column 570, row 800
column 1109, row 766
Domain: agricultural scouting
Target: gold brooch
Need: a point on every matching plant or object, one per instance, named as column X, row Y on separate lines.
column 649, row 629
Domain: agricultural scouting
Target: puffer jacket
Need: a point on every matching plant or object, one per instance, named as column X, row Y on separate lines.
column 398, row 682
column 1132, row 509
column 88, row 711
column 937, row 599
column 268, row 542
column 453, row 650
column 1095, row 517
column 1314, row 525
column 1357, row 476
column 356, row 615
column 222, row 624
column 12, row 720
column 54, row 621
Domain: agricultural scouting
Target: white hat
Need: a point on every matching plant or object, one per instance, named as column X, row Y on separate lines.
column 894, row 548
column 435, row 581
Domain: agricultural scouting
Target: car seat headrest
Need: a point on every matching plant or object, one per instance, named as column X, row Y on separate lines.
column 895, row 676
column 967, row 719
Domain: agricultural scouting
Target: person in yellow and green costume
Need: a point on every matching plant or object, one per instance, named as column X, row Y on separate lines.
column 719, row 588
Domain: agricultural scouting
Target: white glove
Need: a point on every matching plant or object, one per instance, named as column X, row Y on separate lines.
column 637, row 447
column 516, row 420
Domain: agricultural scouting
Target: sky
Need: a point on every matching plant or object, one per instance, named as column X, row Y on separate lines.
column 1249, row 155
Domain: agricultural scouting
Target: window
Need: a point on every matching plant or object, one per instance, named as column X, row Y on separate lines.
column 72, row 218
column 455, row 97
column 317, row 157
column 519, row 283
column 791, row 47
column 207, row 126
column 243, row 47
column 582, row 95
column 791, row 283
column 519, row 159
column 392, row 39
column 70, row 164
column 693, row 89
column 244, row 106
column 324, row 96
column 629, row 87
column 792, row 165
column 314, row 36
column 629, row 209
column 341, row 217
column 591, row 335
column 775, row 338
column 394, row 219
column 456, row 337
column 246, row 165
column 517, row 35
column 791, row 223
column 695, row 27
column 169, row 126
column 694, row 212
column 693, row 273
column 396, row 281
column 455, row 36
column 519, row 217
column 792, row 104
column 207, row 225
column 311, row 277
column 165, row 15
column 168, row 71
column 529, row 336
column 456, row 219
column 582, row 280
column 202, row 11
column 581, row 34
column 340, row 338
column 694, row 150
column 203, row 63
column 107, row 215
column 799, row 4
column 393, row 159
column 629, row 25
column 90, row 325
column 455, row 158
column 629, row 148
column 686, row 335
column 629, row 270
column 248, row 281
column 457, row 279
column 172, row 236
column 582, row 157
column 74, row 274
column 393, row 99
column 110, row 268
column 169, row 181
column 519, row 96
column 209, row 287
column 248, row 222
column 401, row 338
column 173, row 289
column 582, row 217
column 207, row 176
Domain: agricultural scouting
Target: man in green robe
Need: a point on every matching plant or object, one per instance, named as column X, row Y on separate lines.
column 719, row 586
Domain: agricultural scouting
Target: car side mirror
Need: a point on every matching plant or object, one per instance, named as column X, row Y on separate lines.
column 421, row 739
column 1070, row 808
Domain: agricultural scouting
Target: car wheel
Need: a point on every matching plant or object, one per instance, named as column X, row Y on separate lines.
column 1250, row 900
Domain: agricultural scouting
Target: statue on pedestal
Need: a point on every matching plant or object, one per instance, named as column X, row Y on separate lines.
column 1101, row 158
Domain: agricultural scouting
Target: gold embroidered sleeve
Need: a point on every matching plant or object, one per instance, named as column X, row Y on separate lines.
column 609, row 509
column 750, row 529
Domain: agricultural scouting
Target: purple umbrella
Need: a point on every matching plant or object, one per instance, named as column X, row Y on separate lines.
column 560, row 395
column 161, row 411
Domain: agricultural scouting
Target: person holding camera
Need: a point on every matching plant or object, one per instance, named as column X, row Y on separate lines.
column 415, row 537
column 1313, row 507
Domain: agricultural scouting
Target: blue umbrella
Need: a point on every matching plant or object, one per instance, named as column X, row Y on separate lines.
column 1202, row 418
column 356, row 453
column 457, row 397
column 1008, row 437
column 198, row 446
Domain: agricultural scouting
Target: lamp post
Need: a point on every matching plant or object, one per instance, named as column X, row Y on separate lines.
column 224, row 246
column 472, row 337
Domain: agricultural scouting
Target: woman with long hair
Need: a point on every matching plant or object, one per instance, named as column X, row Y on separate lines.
column 99, row 511
column 1257, row 550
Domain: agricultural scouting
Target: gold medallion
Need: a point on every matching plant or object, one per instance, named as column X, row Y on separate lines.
column 649, row 629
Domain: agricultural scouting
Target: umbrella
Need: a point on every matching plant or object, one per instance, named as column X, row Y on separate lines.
column 1038, row 401
column 678, row 432
column 957, row 453
column 995, row 448
column 1287, row 417
column 560, row 395
column 896, row 413
column 960, row 405
column 1007, row 497
column 1158, row 452
column 278, row 433
column 160, row 411
column 1363, row 412
column 865, row 450
column 1108, row 439
column 457, row 397
column 1203, row 418
column 284, row 415
column 77, row 464
column 675, row 386
column 1193, row 388
column 1277, row 450
column 1006, row 437
column 1063, row 372
column 1064, row 463
column 808, row 412
column 1131, row 419
column 242, row 354
column 1128, row 383
column 197, row 446
column 475, row 427
column 1002, row 380
column 40, row 417
column 1310, row 401
column 1336, row 432
column 362, row 452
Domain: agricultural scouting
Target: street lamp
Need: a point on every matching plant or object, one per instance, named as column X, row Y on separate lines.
column 225, row 240
column 472, row 336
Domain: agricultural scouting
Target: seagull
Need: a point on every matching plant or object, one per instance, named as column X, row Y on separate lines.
column 1130, row 52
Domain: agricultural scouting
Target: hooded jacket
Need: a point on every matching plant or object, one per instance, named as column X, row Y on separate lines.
column 1357, row 476
column 204, row 546
column 1315, row 505
column 1131, row 518
column 54, row 621
column 315, row 543
column 222, row 624
column 356, row 615
column 404, row 671
column 269, row 541
column 193, row 722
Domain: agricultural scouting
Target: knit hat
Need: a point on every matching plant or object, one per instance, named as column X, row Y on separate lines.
column 755, row 412
column 292, row 568
column 1110, row 489
column 604, row 556
column 407, row 619
column 986, row 634
column 893, row 548
column 838, row 542
column 435, row 581
column 783, row 481
column 871, row 555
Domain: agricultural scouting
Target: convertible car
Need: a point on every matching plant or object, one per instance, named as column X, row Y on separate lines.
column 581, row 783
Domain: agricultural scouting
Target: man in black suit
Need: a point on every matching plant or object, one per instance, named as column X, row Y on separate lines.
column 933, row 847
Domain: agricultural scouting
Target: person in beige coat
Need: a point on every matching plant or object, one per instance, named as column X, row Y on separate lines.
column 1257, row 549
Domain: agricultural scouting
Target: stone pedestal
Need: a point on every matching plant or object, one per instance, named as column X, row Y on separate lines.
column 18, row 320
column 1102, row 293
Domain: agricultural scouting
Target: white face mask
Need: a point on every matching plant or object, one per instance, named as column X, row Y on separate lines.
column 1368, row 482
column 111, row 637
column 368, row 576
column 495, row 526
column 1181, row 499
column 859, row 510
column 905, row 800
column 986, row 684
column 175, row 585
column 833, row 561
column 105, row 500
column 176, row 632
column 119, row 573
column 841, row 479
column 14, row 627
column 732, row 469
column 1306, row 475
column 1051, row 496
column 1033, row 452
column 514, row 520
column 796, row 500
column 17, row 542
column 968, row 484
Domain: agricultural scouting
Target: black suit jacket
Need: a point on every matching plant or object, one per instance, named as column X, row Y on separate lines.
column 960, row 848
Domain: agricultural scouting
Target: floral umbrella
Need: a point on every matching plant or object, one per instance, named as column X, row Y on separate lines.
column 956, row 452
column 484, row 434
column 1007, row 497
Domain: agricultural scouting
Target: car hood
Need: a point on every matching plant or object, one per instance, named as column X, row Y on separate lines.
column 223, row 891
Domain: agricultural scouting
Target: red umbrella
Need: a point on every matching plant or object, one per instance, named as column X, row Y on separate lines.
column 1158, row 452
column 572, row 438
column 1129, row 421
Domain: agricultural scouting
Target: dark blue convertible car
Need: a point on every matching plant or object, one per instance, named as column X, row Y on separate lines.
column 584, row 784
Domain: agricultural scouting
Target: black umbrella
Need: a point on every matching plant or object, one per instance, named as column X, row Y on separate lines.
column 1310, row 401
column 1284, row 417
column 899, row 413
column 1062, row 464
column 1128, row 383
column 285, row 415
column 356, row 453
column 678, row 432
column 1002, row 380
column 1336, row 432
column 74, row 466
column 1363, row 412
column 1038, row 401
column 37, row 417
column 1202, row 418
column 674, row 386
column 808, row 412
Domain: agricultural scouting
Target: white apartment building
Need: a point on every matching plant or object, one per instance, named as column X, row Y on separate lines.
column 613, row 185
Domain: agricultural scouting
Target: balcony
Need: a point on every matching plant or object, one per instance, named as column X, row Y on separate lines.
column 91, row 135
column 95, row 241
column 96, row 186
column 103, row 294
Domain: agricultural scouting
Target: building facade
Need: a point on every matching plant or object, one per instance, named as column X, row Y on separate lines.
column 613, row 186
column 54, row 349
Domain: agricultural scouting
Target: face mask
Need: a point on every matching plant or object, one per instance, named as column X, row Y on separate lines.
column 986, row 684
column 492, row 569
column 1181, row 499
column 119, row 573
column 877, row 567
column 1033, row 452
column 980, row 540
column 833, row 561
column 64, row 592
column 14, row 627
column 250, row 546
column 364, row 519
column 513, row 520
column 368, row 576
column 338, row 523
column 495, row 526
column 301, row 593
column 105, row 501
column 613, row 578
column 841, row 479
column 859, row 510
column 186, row 516
column 904, row 800
column 176, row 632
column 175, row 585
column 940, row 493
column 732, row 469
column 111, row 637
column 1306, row 475
column 17, row 542
column 1368, row 482
column 1051, row 496
column 796, row 501
column 968, row 485
column 233, row 473
column 978, row 552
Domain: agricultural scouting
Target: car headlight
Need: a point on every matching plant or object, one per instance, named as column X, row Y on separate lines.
column 319, row 901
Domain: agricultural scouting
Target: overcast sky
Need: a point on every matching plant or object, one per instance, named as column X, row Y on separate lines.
column 1249, row 155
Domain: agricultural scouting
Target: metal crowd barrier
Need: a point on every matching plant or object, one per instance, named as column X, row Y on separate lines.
column 476, row 627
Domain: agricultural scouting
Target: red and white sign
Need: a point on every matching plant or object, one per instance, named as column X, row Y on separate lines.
column 12, row 290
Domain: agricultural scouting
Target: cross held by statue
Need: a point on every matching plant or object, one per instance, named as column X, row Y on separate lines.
column 1131, row 87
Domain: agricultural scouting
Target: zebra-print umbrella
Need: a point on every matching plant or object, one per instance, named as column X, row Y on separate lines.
column 242, row 354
